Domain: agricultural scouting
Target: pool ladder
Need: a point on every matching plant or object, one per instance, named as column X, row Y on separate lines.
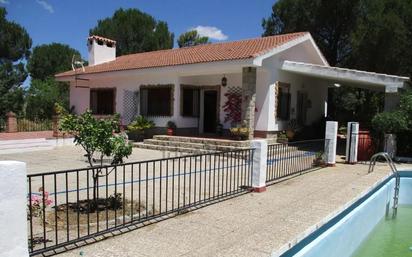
column 391, row 164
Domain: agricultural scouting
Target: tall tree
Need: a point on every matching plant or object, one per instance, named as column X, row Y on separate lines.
column 329, row 22
column 134, row 31
column 191, row 38
column 381, row 41
column 48, row 59
column 15, row 44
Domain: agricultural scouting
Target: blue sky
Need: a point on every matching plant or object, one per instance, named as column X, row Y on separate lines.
column 69, row 22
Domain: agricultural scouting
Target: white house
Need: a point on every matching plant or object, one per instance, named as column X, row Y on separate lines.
column 278, row 78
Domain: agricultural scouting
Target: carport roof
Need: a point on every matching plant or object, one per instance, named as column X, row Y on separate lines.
column 390, row 82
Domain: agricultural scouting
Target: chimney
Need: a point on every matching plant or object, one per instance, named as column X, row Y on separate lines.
column 101, row 50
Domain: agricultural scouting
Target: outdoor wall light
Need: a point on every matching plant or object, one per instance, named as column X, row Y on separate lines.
column 224, row 81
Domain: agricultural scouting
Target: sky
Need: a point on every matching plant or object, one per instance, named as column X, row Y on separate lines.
column 69, row 21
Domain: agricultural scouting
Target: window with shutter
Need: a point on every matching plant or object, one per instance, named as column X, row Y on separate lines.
column 190, row 102
column 156, row 100
column 283, row 101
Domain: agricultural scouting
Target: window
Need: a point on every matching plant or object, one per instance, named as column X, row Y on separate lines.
column 156, row 101
column 102, row 101
column 190, row 102
column 283, row 101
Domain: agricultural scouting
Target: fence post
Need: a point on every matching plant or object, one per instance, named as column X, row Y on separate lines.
column 331, row 133
column 352, row 142
column 13, row 214
column 11, row 123
column 259, row 165
column 55, row 125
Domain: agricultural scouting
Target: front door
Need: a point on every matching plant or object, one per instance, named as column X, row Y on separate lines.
column 209, row 111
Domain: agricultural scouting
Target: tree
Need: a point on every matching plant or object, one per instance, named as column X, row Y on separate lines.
column 191, row 38
column 381, row 41
column 42, row 96
column 372, row 35
column 15, row 44
column 134, row 32
column 329, row 22
column 97, row 139
column 48, row 59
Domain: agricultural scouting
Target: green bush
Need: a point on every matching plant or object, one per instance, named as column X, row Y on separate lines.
column 140, row 124
column 391, row 122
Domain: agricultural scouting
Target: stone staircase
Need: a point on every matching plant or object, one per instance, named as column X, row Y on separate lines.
column 25, row 145
column 194, row 145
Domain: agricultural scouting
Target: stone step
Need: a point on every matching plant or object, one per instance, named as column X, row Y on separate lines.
column 211, row 147
column 171, row 148
column 199, row 140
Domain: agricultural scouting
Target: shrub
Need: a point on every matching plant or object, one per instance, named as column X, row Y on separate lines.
column 140, row 124
column 390, row 122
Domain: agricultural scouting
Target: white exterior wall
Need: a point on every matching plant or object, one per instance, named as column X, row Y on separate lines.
column 80, row 97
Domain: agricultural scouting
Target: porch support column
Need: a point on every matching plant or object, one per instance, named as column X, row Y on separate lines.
column 249, row 98
column 391, row 101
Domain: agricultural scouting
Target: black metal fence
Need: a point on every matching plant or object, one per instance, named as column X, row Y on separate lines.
column 28, row 124
column 285, row 159
column 66, row 207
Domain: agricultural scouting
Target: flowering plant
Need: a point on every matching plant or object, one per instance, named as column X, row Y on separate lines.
column 39, row 202
column 233, row 107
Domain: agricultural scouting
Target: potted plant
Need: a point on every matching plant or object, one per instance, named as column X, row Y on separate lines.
column 171, row 128
column 219, row 129
column 282, row 137
column 390, row 123
column 138, row 127
column 240, row 132
column 292, row 128
column 319, row 161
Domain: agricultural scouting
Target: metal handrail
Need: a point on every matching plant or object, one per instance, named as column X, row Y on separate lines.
column 391, row 164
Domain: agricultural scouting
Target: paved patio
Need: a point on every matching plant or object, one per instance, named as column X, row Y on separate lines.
column 250, row 225
column 69, row 157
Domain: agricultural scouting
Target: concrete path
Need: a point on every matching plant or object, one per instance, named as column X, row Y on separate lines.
column 255, row 224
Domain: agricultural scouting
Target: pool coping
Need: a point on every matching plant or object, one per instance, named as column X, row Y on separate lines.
column 302, row 240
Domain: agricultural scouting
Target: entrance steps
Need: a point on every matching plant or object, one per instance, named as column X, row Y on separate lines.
column 194, row 145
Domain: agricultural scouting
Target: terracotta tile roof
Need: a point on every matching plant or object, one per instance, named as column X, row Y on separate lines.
column 236, row 50
column 102, row 39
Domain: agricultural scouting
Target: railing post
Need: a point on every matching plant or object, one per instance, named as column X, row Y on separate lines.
column 11, row 123
column 331, row 134
column 259, row 165
column 13, row 215
column 352, row 139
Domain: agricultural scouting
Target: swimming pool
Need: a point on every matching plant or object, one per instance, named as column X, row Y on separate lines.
column 363, row 229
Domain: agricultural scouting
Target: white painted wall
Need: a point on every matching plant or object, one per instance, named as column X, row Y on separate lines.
column 100, row 53
column 13, row 215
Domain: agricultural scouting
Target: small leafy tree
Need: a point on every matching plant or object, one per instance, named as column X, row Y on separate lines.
column 97, row 138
